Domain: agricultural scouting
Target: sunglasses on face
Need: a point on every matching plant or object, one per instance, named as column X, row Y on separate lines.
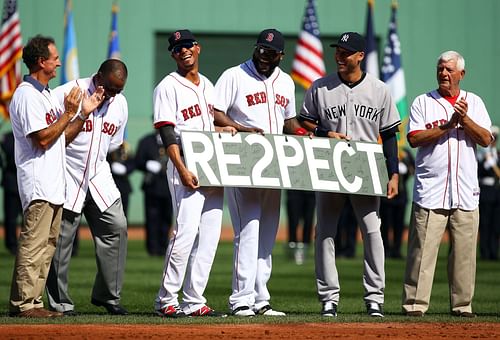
column 187, row 45
column 267, row 53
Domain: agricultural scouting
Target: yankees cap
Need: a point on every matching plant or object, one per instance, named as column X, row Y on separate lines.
column 271, row 38
column 351, row 41
column 180, row 36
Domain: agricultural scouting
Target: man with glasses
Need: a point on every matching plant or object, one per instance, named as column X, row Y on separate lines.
column 183, row 100
column 256, row 96
column 90, row 190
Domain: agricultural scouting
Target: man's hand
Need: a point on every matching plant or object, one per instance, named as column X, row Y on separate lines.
column 229, row 129
column 72, row 101
column 338, row 135
column 392, row 186
column 89, row 104
column 189, row 180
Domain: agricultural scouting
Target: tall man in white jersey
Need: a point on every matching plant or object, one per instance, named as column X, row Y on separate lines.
column 256, row 96
column 352, row 105
column 445, row 125
column 183, row 100
column 91, row 191
column 42, row 126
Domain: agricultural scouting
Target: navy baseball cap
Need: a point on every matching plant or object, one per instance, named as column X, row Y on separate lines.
column 351, row 41
column 179, row 37
column 271, row 38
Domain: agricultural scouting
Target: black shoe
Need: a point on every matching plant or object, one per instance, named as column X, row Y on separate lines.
column 112, row 309
column 70, row 313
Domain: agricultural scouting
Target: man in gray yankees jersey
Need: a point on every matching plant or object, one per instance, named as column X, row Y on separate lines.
column 352, row 105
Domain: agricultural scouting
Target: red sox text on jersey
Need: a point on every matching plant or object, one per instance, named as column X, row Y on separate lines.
column 261, row 98
column 108, row 128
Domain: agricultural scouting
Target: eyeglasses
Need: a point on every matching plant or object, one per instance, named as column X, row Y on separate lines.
column 267, row 53
column 187, row 45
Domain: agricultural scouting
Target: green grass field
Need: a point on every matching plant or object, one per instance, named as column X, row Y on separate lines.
column 292, row 289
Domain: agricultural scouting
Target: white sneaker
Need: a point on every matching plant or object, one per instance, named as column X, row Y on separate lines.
column 299, row 254
column 375, row 309
column 268, row 311
column 243, row 311
column 329, row 309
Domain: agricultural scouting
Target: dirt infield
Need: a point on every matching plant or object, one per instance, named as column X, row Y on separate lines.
column 365, row 331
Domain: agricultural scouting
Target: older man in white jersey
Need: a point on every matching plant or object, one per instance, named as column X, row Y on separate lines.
column 445, row 126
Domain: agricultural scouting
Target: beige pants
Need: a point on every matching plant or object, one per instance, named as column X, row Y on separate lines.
column 426, row 230
column 37, row 243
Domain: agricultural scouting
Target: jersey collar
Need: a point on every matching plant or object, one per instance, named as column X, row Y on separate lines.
column 36, row 84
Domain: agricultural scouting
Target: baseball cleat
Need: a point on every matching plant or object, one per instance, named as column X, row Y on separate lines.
column 243, row 311
column 268, row 311
column 375, row 309
column 207, row 311
column 171, row 311
column 329, row 309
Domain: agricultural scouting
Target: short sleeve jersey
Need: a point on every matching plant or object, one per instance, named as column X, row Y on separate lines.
column 253, row 100
column 446, row 171
column 362, row 111
column 184, row 105
column 41, row 173
column 86, row 165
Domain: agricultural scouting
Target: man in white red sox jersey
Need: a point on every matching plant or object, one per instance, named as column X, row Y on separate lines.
column 42, row 127
column 256, row 96
column 445, row 125
column 90, row 190
column 183, row 100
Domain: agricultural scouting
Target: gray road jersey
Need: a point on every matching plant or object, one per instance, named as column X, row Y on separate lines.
column 361, row 112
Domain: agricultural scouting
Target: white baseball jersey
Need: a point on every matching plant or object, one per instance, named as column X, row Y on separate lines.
column 186, row 106
column 86, row 165
column 361, row 112
column 40, row 172
column 446, row 171
column 252, row 100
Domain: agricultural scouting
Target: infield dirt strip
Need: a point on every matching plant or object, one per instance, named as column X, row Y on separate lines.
column 365, row 331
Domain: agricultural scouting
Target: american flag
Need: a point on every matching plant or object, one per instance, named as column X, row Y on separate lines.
column 308, row 64
column 114, row 42
column 11, row 47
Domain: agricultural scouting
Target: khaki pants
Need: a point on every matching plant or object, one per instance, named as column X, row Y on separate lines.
column 37, row 243
column 426, row 230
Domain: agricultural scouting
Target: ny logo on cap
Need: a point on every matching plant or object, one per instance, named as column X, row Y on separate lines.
column 270, row 37
column 177, row 35
column 344, row 38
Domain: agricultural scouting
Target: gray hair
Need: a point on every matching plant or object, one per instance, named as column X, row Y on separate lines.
column 453, row 55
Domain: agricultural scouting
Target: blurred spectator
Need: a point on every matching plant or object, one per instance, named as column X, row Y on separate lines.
column 122, row 164
column 489, row 199
column 347, row 232
column 151, row 158
column 392, row 212
column 12, row 208
column 300, row 208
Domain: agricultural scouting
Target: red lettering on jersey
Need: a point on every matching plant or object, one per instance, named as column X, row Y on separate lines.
column 197, row 110
column 435, row 123
column 282, row 101
column 185, row 114
column 109, row 128
column 87, row 126
column 250, row 101
column 50, row 117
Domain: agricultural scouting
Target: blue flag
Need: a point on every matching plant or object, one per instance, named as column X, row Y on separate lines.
column 69, row 68
column 370, row 63
column 392, row 69
column 114, row 42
